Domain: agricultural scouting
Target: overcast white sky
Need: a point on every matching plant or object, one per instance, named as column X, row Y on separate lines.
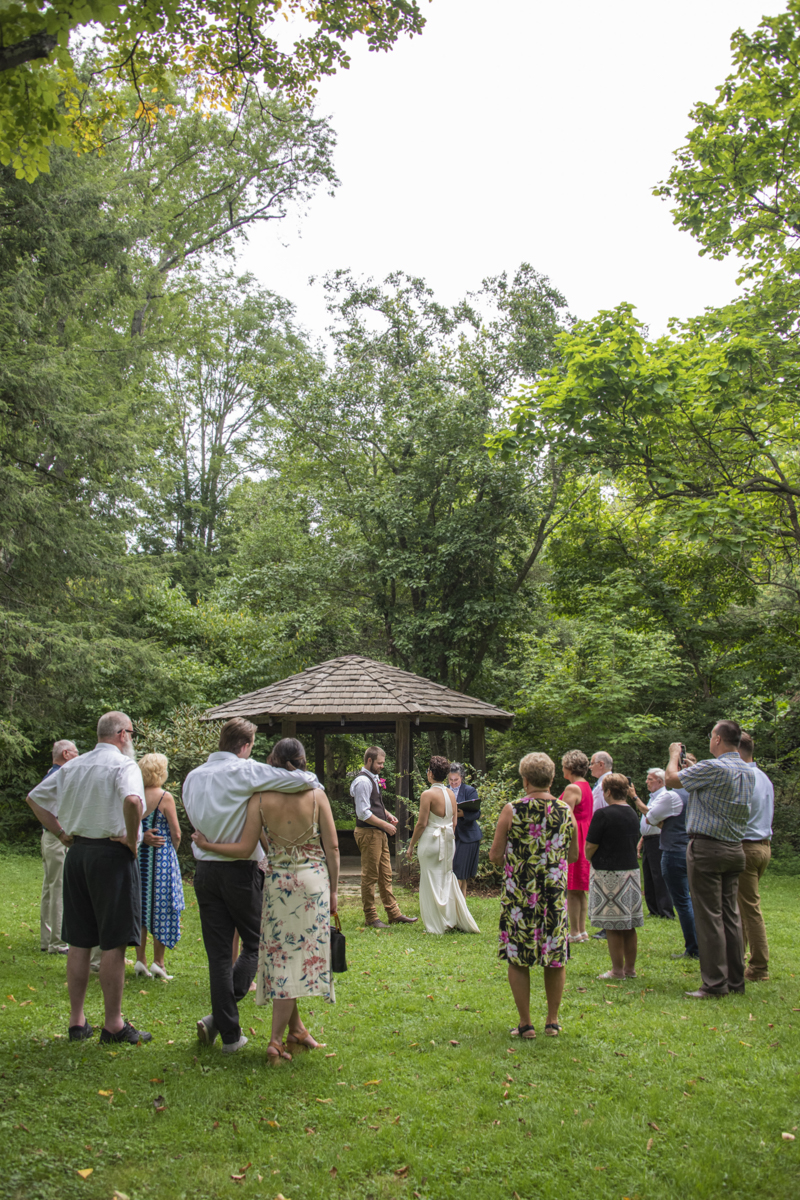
column 518, row 130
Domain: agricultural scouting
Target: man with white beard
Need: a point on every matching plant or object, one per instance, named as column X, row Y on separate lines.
column 94, row 805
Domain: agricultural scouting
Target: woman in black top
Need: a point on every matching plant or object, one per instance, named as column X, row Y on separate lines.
column 615, row 888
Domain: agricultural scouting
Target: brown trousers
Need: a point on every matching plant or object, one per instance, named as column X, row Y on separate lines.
column 376, row 867
column 714, row 868
column 757, row 856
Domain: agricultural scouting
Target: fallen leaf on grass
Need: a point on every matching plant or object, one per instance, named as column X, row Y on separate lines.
column 510, row 1051
column 453, row 1043
column 373, row 1126
column 104, row 1093
column 619, row 1054
column 273, row 1124
column 216, row 1125
column 328, row 1101
column 253, row 1031
column 142, row 993
column 119, row 1195
column 156, row 1080
column 649, row 1144
column 171, row 1042
column 333, row 1172
column 310, row 1129
column 372, row 1083
column 22, row 1127
column 748, row 1044
column 396, row 1121
column 788, row 1137
column 653, row 1125
column 85, row 1173
column 331, row 1055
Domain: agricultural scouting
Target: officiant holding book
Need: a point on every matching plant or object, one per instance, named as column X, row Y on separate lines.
column 468, row 831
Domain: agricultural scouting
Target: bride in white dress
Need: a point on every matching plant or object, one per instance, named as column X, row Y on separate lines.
column 441, row 903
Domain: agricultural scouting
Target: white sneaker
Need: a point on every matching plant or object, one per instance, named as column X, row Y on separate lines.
column 159, row 972
column 141, row 969
column 232, row 1047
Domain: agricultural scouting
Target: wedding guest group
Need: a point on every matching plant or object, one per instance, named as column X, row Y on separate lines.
column 374, row 826
column 229, row 889
column 468, row 831
column 94, row 805
column 162, row 888
column 53, row 854
column 442, row 904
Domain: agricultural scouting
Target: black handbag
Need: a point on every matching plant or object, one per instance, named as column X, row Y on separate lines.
column 338, row 943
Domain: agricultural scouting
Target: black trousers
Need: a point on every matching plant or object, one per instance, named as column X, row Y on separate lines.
column 656, row 892
column 229, row 896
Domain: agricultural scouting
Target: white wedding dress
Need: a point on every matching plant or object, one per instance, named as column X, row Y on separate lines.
column 441, row 904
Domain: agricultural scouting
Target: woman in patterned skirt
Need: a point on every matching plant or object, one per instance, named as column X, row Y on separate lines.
column 534, row 842
column 300, row 883
column 162, row 889
column 615, row 889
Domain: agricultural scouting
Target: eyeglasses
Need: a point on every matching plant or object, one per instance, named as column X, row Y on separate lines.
column 130, row 731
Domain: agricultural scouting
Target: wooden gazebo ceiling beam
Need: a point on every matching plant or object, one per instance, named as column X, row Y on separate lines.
column 364, row 723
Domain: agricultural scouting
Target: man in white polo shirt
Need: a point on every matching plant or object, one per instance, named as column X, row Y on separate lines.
column 229, row 890
column 99, row 801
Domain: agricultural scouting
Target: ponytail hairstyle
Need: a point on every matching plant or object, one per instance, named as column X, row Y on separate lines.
column 288, row 753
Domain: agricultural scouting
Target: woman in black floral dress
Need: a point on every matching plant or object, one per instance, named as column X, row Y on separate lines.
column 535, row 840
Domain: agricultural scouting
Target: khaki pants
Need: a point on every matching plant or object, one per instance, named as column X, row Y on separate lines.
column 714, row 868
column 376, row 867
column 756, row 856
column 53, row 855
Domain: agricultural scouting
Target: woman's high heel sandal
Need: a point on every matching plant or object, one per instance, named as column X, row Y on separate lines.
column 305, row 1039
column 276, row 1052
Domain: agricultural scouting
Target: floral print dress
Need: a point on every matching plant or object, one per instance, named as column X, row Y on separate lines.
column 294, row 956
column 533, row 912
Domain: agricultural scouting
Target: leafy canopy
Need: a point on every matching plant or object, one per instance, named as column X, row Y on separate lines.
column 226, row 47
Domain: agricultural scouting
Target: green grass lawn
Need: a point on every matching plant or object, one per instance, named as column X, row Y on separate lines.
column 421, row 1092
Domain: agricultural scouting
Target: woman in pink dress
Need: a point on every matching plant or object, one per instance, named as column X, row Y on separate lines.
column 578, row 795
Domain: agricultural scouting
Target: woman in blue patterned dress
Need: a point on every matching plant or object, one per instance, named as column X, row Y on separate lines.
column 535, row 840
column 300, row 895
column 162, row 889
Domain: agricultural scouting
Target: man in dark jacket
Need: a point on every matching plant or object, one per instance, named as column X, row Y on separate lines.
column 468, row 831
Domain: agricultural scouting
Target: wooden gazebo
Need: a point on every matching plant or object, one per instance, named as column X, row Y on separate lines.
column 352, row 694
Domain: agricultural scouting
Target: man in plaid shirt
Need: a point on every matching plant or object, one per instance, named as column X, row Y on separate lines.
column 720, row 791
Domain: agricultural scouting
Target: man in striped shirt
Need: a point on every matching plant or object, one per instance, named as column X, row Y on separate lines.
column 720, row 792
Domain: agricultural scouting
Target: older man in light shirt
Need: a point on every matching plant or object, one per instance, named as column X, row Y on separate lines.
column 229, row 890
column 94, row 805
column 667, row 811
column 757, row 846
column 53, row 854
column 656, row 892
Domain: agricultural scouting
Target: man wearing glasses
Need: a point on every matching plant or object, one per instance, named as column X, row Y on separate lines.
column 94, row 806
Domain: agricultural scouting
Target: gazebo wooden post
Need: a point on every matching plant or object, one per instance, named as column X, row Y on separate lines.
column 477, row 743
column 319, row 754
column 402, row 788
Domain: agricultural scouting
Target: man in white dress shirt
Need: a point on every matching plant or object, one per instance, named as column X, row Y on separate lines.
column 229, row 890
column 94, row 805
column 374, row 826
column 656, row 892
column 600, row 764
column 757, row 846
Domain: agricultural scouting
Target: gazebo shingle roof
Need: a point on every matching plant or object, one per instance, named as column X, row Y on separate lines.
column 353, row 686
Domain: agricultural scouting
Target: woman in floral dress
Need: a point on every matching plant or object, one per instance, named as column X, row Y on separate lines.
column 535, row 840
column 300, row 884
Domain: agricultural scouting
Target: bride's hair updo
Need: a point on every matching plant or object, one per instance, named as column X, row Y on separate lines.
column 289, row 753
column 439, row 767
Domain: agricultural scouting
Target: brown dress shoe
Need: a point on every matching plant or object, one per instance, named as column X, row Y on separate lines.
column 376, row 925
column 401, row 920
column 756, row 976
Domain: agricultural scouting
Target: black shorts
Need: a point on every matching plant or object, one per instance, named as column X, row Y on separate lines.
column 102, row 896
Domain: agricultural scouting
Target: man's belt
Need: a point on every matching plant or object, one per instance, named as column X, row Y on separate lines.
column 756, row 841
column 706, row 837
column 84, row 841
